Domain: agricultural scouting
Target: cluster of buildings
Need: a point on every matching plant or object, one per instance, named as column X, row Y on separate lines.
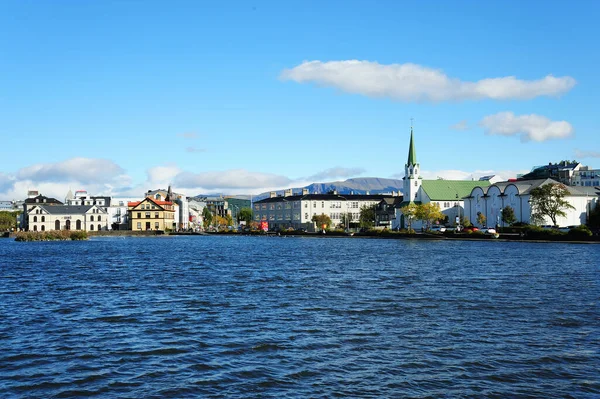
column 457, row 199
column 156, row 210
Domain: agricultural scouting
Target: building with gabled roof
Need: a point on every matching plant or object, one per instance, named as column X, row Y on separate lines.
column 490, row 200
column 151, row 214
column 448, row 194
column 67, row 217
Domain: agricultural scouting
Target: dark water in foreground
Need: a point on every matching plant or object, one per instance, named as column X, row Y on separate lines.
column 257, row 317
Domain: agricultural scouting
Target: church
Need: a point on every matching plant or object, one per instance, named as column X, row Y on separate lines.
column 448, row 194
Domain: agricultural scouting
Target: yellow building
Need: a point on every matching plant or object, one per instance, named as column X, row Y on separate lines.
column 151, row 214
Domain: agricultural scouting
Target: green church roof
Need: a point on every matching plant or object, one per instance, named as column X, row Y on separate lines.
column 446, row 190
column 412, row 154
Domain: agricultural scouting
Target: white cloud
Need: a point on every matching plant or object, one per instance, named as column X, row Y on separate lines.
column 587, row 154
column 462, row 125
column 88, row 170
column 194, row 149
column 529, row 127
column 188, row 135
column 239, row 179
column 336, row 173
column 411, row 82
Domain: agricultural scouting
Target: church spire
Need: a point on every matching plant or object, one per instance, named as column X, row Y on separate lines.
column 412, row 154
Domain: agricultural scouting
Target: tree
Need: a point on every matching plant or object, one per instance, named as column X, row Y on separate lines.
column 245, row 215
column 207, row 217
column 481, row 219
column 410, row 212
column 508, row 215
column 429, row 213
column 8, row 220
column 321, row 220
column 346, row 219
column 366, row 219
column 594, row 218
column 549, row 200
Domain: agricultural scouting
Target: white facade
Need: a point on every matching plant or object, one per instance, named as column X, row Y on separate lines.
column 490, row 200
column 297, row 211
column 66, row 217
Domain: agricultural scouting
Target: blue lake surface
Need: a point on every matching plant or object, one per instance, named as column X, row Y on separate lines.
column 281, row 317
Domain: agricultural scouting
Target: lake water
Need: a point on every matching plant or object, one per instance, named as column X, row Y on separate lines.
column 282, row 317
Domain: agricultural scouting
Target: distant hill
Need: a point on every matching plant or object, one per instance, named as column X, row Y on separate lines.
column 358, row 185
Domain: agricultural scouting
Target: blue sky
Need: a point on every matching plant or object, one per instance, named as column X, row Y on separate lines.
column 240, row 97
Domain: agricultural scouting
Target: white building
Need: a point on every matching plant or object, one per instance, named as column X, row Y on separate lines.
column 516, row 194
column 297, row 211
column 447, row 194
column 67, row 217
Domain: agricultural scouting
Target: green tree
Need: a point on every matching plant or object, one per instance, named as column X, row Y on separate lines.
column 366, row 217
column 594, row 218
column 207, row 217
column 410, row 212
column 481, row 219
column 508, row 215
column 346, row 219
column 8, row 220
column 549, row 200
column 321, row 220
column 245, row 215
column 429, row 213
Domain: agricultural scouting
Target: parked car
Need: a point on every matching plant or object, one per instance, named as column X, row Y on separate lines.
column 566, row 229
column 488, row 230
column 470, row 228
column 438, row 228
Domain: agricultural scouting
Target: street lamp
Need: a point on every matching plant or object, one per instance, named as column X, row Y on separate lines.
column 458, row 212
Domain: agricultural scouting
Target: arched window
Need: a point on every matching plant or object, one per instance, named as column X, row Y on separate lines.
column 99, row 227
column 57, row 225
column 99, row 217
column 91, row 227
column 92, row 218
column 78, row 225
column 34, row 228
column 68, row 225
column 43, row 218
column 43, row 228
column 34, row 219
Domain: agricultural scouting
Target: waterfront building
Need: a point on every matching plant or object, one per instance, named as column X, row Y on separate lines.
column 297, row 210
column 196, row 207
column 447, row 194
column 151, row 214
column 34, row 198
column 385, row 212
column 44, row 217
column 180, row 203
column 586, row 177
column 489, row 201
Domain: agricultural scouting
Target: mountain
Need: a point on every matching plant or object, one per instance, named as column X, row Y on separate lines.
column 358, row 185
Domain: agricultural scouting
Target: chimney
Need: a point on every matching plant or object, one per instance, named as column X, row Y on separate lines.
column 305, row 191
column 273, row 194
column 287, row 192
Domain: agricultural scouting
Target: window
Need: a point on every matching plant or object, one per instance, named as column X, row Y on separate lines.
column 322, row 204
column 147, row 215
column 139, row 215
column 155, row 215
column 43, row 228
column 156, row 225
column 415, row 183
column 99, row 227
column 306, row 204
column 306, row 216
column 34, row 219
column 43, row 218
column 92, row 218
column 91, row 227
column 34, row 228
column 139, row 225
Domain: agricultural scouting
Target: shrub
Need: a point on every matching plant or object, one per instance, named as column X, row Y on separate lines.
column 580, row 232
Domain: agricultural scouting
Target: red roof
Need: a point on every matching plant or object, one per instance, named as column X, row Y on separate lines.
column 134, row 204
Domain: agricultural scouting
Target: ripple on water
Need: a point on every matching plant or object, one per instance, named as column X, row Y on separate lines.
column 259, row 317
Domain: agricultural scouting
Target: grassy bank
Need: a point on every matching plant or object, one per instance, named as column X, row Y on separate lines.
column 51, row 235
